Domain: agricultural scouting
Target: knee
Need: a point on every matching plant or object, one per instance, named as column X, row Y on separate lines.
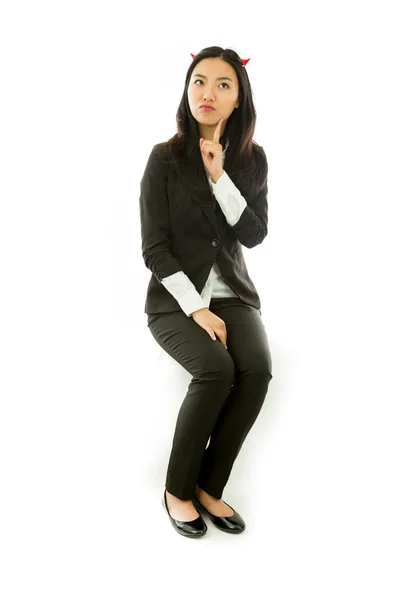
column 219, row 369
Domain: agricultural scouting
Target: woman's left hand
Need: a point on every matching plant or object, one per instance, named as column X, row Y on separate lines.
column 211, row 153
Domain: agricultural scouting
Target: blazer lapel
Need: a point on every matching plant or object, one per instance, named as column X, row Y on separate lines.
column 200, row 192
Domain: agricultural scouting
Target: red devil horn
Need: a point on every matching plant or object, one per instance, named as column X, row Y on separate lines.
column 194, row 56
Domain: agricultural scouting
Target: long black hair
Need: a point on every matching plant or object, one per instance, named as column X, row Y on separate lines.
column 244, row 159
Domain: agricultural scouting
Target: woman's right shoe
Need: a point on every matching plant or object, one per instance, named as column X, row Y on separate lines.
column 233, row 524
column 196, row 528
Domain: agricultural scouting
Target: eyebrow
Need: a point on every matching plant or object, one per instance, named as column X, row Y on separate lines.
column 204, row 77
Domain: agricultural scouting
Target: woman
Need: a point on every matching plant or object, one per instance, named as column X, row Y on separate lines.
column 203, row 196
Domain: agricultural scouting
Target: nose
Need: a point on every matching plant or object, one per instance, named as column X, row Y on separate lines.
column 208, row 95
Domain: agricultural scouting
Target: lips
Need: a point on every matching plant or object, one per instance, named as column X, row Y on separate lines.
column 207, row 106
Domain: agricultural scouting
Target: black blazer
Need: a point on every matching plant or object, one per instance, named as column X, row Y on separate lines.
column 186, row 230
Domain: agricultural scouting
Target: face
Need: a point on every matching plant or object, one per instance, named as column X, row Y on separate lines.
column 213, row 82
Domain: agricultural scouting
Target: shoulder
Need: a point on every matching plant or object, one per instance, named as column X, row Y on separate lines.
column 166, row 152
column 155, row 166
column 260, row 168
column 157, row 157
column 259, row 156
column 158, row 150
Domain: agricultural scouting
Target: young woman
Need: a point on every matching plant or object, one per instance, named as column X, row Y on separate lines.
column 204, row 196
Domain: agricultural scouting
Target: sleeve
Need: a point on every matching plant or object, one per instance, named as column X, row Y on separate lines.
column 251, row 226
column 154, row 219
column 229, row 198
column 155, row 232
column 184, row 292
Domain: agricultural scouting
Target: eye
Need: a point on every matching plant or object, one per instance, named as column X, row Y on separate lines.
column 222, row 83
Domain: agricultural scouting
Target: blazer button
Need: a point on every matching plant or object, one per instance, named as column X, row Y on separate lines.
column 215, row 242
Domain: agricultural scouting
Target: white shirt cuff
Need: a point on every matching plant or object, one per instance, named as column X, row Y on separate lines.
column 184, row 292
column 229, row 198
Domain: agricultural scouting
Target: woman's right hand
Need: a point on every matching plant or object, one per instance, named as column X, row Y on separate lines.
column 211, row 323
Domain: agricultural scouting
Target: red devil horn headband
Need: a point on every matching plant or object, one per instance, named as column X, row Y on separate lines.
column 244, row 60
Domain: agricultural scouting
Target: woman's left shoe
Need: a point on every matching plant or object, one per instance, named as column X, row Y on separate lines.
column 233, row 524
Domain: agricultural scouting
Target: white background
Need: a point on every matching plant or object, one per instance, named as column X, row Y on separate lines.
column 88, row 403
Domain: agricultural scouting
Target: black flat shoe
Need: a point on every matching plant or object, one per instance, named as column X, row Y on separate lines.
column 196, row 528
column 233, row 524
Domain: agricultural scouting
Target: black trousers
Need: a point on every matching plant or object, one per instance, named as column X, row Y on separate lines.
column 224, row 397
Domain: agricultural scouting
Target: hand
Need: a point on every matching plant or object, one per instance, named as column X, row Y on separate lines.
column 211, row 153
column 210, row 323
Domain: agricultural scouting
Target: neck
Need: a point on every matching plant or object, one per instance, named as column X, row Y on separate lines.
column 207, row 131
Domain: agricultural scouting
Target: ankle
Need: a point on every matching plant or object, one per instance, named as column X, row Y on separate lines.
column 175, row 499
column 200, row 493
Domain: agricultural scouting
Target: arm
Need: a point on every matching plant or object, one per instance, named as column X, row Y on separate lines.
column 184, row 292
column 248, row 219
column 229, row 198
column 156, row 253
